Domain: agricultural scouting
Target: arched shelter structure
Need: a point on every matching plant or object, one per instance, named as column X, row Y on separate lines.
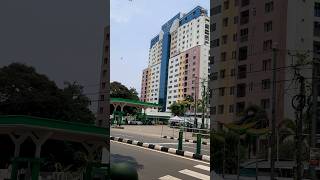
column 121, row 102
column 40, row 130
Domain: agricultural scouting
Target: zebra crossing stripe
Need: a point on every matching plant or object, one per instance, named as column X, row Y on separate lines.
column 168, row 177
column 195, row 174
column 206, row 168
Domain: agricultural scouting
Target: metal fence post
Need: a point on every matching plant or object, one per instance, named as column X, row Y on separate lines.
column 198, row 143
column 180, row 139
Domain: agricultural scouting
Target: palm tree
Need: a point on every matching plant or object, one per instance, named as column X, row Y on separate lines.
column 253, row 122
column 287, row 132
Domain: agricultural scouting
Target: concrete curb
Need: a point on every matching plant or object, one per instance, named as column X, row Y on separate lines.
column 186, row 140
column 163, row 149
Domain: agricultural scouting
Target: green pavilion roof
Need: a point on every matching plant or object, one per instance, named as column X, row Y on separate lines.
column 44, row 123
column 134, row 102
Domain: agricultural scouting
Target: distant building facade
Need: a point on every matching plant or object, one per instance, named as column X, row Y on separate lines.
column 103, row 114
column 178, row 59
column 243, row 35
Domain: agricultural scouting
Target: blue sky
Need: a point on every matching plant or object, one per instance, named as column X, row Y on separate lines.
column 133, row 24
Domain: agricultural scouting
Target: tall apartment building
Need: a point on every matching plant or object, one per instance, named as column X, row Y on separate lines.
column 103, row 114
column 243, row 34
column 178, row 59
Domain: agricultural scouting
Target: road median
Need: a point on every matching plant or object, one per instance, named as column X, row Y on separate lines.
column 163, row 149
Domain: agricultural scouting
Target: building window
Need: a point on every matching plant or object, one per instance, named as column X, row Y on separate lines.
column 245, row 3
column 222, row 73
column 250, row 86
column 243, row 53
column 241, row 90
column 244, row 35
column 213, row 76
column 240, row 107
column 103, row 85
column 265, row 103
column 223, row 56
column 232, row 72
column 231, row 108
column 215, row 43
column 266, row 84
column 242, row 71
column 235, row 20
column 226, row 4
column 221, row 91
column 105, row 60
column 232, row 89
column 216, row 10
column 101, row 110
column 213, row 110
column 267, row 45
column 235, row 37
column 213, row 27
column 234, row 54
column 224, row 39
column 268, row 7
column 220, row 109
column 244, row 18
column 268, row 26
column 225, row 22
column 101, row 97
column 236, row 3
column 266, row 65
column 316, row 29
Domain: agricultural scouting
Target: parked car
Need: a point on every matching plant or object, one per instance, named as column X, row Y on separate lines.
column 134, row 122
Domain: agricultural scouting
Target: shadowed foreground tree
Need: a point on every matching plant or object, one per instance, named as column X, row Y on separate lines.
column 23, row 91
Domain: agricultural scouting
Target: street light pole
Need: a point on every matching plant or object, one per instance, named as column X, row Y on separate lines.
column 195, row 105
column 273, row 119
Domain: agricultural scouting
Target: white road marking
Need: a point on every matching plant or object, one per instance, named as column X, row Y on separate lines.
column 147, row 149
column 195, row 174
column 206, row 168
column 168, row 177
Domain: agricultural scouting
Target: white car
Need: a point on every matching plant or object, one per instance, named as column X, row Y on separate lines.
column 135, row 122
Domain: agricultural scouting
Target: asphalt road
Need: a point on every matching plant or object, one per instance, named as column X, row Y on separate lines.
column 170, row 143
column 152, row 165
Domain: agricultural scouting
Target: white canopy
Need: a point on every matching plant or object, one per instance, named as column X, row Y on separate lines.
column 175, row 119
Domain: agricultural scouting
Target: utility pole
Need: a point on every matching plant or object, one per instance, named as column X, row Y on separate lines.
column 314, row 108
column 273, row 119
column 204, row 102
column 299, row 120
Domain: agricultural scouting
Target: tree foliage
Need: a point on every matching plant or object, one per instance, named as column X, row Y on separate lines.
column 178, row 108
column 118, row 90
column 23, row 91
